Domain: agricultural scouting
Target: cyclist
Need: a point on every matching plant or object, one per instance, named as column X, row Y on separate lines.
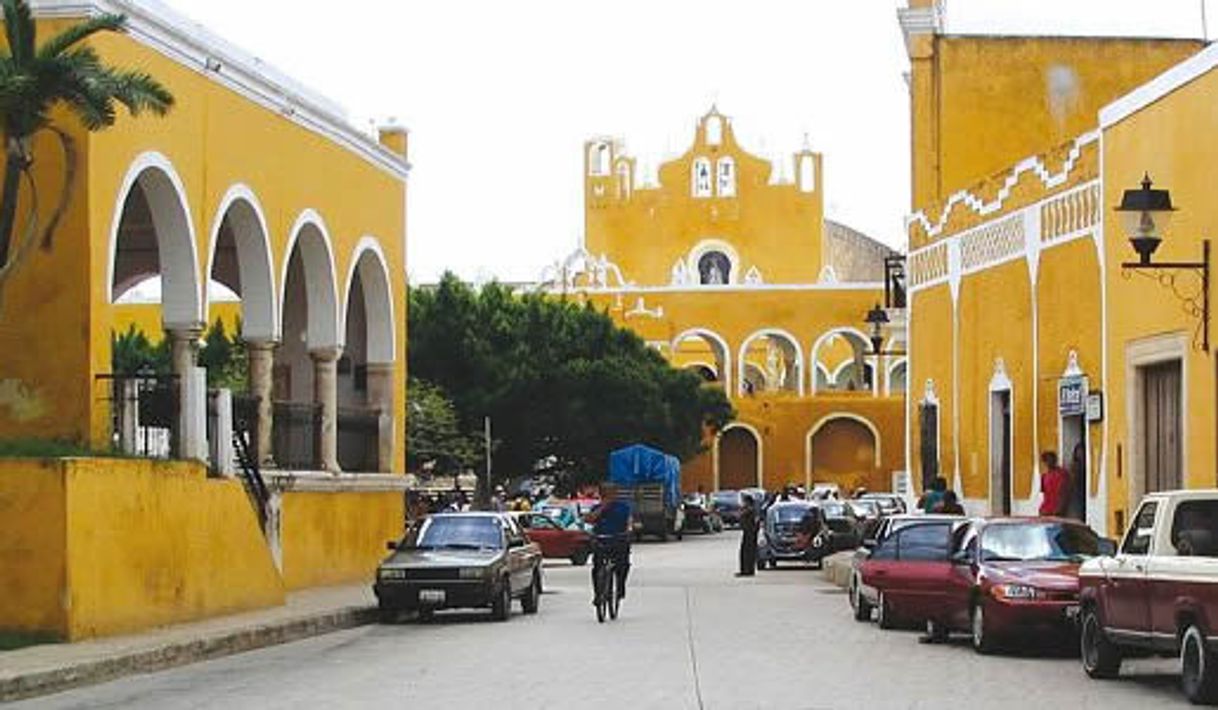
column 611, row 526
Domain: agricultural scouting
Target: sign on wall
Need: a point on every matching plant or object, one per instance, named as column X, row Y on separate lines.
column 1071, row 396
column 1095, row 406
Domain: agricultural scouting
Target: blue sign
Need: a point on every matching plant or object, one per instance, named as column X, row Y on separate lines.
column 1071, row 397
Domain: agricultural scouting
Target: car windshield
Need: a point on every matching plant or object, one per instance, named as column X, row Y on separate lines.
column 457, row 532
column 865, row 507
column 789, row 513
column 834, row 510
column 1052, row 542
column 727, row 497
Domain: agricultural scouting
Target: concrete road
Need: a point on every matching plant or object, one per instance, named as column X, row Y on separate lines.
column 690, row 636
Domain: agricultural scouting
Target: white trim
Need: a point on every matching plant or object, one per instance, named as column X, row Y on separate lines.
column 372, row 246
column 770, row 332
column 706, row 333
column 1000, row 383
column 1174, row 78
column 310, row 218
column 700, row 363
column 163, row 29
column 705, row 247
column 812, row 432
column 756, row 438
column 242, row 192
column 814, row 354
column 892, row 367
column 729, row 288
column 1142, row 353
column 142, row 164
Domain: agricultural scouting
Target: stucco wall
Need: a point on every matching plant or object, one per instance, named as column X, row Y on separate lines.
column 33, row 547
column 337, row 537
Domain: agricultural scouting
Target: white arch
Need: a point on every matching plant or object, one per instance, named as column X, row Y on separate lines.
column 712, row 337
column 378, row 300
column 317, row 256
column 714, row 370
column 829, row 377
column 181, row 296
column 760, row 449
column 758, row 373
column 773, row 333
column 708, row 245
column 259, row 316
column 820, row 424
column 892, row 368
column 814, row 355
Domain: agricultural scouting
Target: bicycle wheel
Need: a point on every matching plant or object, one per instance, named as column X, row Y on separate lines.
column 601, row 601
column 614, row 600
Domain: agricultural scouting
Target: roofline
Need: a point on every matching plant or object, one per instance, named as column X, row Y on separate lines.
column 1159, row 87
column 1097, row 38
column 169, row 32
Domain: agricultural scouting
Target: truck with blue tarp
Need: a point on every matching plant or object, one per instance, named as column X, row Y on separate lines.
column 651, row 480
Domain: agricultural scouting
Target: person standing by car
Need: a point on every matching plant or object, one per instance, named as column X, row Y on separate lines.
column 934, row 496
column 748, row 538
column 1055, row 487
column 610, row 522
column 950, row 505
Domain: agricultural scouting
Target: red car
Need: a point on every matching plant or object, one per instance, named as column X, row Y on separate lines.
column 905, row 576
column 1013, row 576
column 555, row 541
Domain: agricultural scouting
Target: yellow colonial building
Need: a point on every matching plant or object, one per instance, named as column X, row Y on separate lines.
column 255, row 183
column 1028, row 329
column 725, row 263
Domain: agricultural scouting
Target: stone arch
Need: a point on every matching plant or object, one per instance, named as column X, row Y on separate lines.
column 310, row 241
column 719, row 350
column 754, row 379
column 152, row 234
column 837, row 450
column 858, row 342
column 369, row 269
column 739, row 454
column 784, row 375
column 239, row 257
column 706, row 246
column 896, row 380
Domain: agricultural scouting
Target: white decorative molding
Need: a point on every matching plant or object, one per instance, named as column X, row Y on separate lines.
column 1072, row 367
column 680, row 274
column 1000, row 382
column 828, row 275
column 1179, row 75
column 928, row 393
column 325, row 482
column 992, row 242
column 753, row 277
column 158, row 26
column 640, row 310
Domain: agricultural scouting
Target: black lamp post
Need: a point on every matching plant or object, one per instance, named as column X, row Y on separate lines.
column 877, row 319
column 1146, row 213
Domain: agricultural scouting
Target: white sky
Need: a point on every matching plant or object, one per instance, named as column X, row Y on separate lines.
column 499, row 96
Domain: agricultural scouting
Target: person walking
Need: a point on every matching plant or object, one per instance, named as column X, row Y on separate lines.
column 1078, row 484
column 1054, row 486
column 933, row 497
column 748, row 538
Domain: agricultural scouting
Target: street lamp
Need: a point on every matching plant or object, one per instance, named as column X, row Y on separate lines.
column 877, row 318
column 1146, row 213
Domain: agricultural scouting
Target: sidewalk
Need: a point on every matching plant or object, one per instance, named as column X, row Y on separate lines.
column 50, row 668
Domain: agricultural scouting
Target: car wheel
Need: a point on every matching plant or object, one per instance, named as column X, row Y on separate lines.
column 883, row 614
column 1101, row 657
column 1198, row 668
column 983, row 636
column 936, row 631
column 579, row 559
column 862, row 607
column 531, row 600
column 501, row 608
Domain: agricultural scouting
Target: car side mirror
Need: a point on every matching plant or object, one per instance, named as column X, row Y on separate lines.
column 1107, row 548
column 391, row 546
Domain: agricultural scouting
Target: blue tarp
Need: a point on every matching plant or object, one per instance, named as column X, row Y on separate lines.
column 634, row 465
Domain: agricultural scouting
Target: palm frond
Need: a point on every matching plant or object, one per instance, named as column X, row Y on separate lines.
column 19, row 29
column 79, row 32
column 139, row 92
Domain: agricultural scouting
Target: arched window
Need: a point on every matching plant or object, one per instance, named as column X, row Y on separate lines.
column 598, row 159
column 714, row 269
column 727, row 177
column 702, row 177
column 807, row 174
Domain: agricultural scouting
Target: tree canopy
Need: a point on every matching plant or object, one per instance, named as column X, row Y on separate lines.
column 561, row 382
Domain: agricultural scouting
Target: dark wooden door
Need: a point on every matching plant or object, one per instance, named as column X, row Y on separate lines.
column 1161, row 427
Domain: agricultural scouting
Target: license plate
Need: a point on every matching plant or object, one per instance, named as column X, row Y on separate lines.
column 432, row 596
column 1072, row 612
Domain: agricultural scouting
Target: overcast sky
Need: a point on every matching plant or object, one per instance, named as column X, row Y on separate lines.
column 499, row 96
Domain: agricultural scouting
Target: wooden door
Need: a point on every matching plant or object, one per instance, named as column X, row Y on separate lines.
column 1161, row 427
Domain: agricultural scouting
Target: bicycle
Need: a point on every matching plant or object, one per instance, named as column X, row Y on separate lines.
column 605, row 580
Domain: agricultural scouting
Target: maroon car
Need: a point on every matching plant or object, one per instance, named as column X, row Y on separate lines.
column 905, row 576
column 1013, row 576
column 554, row 540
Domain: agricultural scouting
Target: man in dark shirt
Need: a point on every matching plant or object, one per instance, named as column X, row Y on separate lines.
column 748, row 538
column 611, row 526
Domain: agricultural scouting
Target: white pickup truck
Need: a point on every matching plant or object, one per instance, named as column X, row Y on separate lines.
column 1159, row 594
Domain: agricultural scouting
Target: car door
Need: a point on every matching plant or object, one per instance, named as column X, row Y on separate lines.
column 875, row 570
column 919, row 580
column 519, row 553
column 1124, row 598
column 546, row 533
column 962, row 579
column 1182, row 574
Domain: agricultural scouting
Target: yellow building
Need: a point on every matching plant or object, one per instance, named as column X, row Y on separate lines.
column 725, row 263
column 256, row 183
column 1026, row 333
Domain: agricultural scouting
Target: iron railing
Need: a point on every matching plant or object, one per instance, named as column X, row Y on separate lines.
column 295, row 435
column 359, row 432
column 144, row 413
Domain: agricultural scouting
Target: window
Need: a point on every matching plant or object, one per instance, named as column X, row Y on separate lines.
column 807, row 174
column 924, row 543
column 964, row 542
column 714, row 269
column 727, row 177
column 598, row 159
column 1194, row 530
column 887, row 549
column 714, row 130
column 1137, row 540
column 702, row 177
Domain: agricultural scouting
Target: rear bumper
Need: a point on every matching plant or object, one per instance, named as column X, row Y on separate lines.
column 405, row 595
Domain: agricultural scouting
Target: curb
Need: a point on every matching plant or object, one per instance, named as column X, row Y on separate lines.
column 837, row 568
column 181, row 653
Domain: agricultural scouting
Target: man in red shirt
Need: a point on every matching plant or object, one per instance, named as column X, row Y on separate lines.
column 1055, row 485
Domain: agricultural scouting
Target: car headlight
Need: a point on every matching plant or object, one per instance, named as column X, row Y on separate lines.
column 392, row 573
column 471, row 572
column 1016, row 592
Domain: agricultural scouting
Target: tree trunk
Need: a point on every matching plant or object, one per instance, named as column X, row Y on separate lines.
column 8, row 199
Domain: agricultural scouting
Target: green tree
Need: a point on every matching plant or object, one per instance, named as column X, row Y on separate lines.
column 132, row 353
column 562, row 383
column 434, row 438
column 34, row 80
column 225, row 359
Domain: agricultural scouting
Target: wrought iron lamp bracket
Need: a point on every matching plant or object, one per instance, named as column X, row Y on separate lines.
column 1196, row 304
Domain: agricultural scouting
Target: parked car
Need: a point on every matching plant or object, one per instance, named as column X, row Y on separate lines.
column 555, row 541
column 564, row 512
column 460, row 560
column 1010, row 577
column 887, row 526
column 1159, row 593
column 869, row 515
column 825, row 491
column 846, row 527
column 794, row 531
column 890, row 503
column 700, row 515
column 728, row 505
column 904, row 575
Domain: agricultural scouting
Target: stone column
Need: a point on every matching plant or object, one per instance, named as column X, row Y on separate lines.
column 184, row 348
column 261, row 354
column 325, row 393
column 380, row 396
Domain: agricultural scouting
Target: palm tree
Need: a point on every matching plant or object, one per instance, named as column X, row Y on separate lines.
column 35, row 79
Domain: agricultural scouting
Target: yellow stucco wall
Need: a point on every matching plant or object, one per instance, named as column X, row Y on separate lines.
column 141, row 543
column 146, row 318
column 931, row 375
column 337, row 537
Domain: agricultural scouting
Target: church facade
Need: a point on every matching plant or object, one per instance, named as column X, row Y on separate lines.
column 724, row 262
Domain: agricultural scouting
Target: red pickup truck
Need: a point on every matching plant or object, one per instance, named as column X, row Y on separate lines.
column 1159, row 594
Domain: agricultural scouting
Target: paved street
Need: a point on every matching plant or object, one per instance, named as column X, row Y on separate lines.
column 690, row 636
